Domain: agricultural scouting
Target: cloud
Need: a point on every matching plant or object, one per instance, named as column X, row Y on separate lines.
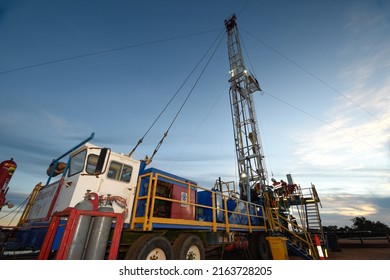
column 358, row 125
column 30, row 136
column 351, row 132
column 38, row 124
column 349, row 156
column 349, row 206
column 365, row 23
column 345, row 142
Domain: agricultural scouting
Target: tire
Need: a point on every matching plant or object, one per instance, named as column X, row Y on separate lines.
column 188, row 247
column 150, row 247
column 258, row 246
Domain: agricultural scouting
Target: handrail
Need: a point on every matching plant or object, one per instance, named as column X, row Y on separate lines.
column 306, row 238
column 75, row 147
column 149, row 196
column 30, row 203
column 279, row 223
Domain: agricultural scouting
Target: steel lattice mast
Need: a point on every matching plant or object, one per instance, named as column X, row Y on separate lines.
column 250, row 157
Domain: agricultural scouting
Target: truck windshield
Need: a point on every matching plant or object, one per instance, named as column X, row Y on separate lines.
column 77, row 163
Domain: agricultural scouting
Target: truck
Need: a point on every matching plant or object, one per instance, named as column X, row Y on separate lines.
column 108, row 205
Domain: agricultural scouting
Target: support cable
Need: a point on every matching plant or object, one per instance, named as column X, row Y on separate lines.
column 172, row 98
column 20, row 206
column 249, row 59
column 325, row 83
column 327, row 123
column 200, row 125
column 313, row 75
column 101, row 52
column 186, row 99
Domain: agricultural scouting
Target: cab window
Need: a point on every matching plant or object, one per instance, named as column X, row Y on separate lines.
column 126, row 173
column 119, row 171
column 91, row 163
column 77, row 163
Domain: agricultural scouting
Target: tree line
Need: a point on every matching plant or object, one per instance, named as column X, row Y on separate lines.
column 360, row 224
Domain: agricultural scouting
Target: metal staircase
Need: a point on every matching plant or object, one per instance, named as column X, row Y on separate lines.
column 299, row 251
column 312, row 217
column 312, row 204
column 299, row 235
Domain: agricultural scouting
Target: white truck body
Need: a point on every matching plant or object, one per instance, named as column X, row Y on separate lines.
column 120, row 179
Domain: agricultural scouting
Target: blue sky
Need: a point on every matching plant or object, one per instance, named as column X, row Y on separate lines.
column 69, row 68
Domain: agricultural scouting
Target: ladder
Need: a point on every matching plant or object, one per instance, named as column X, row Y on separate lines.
column 312, row 204
column 299, row 240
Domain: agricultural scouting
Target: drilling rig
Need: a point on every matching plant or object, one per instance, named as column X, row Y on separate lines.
column 253, row 179
column 250, row 157
column 108, row 205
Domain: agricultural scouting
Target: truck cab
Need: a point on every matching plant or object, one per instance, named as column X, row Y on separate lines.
column 89, row 168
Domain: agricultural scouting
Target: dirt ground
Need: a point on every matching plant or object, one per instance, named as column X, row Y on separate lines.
column 361, row 254
column 356, row 250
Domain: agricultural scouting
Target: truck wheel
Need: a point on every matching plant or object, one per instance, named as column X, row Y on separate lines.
column 150, row 247
column 258, row 246
column 188, row 247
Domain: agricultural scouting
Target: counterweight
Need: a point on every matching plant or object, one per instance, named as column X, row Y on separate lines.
column 250, row 156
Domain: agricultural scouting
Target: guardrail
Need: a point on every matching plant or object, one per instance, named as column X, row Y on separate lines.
column 223, row 212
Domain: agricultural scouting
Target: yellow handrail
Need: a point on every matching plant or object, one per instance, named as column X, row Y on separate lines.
column 147, row 218
column 275, row 221
column 30, row 203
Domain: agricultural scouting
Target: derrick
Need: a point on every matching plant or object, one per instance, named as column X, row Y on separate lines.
column 249, row 151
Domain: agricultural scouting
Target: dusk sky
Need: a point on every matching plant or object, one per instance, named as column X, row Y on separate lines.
column 70, row 68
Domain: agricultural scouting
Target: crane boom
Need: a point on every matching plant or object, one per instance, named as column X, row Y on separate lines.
column 249, row 152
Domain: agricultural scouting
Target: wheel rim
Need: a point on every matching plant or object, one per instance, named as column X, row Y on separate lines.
column 193, row 253
column 156, row 254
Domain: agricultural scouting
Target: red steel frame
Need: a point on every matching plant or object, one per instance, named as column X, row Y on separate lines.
column 73, row 217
